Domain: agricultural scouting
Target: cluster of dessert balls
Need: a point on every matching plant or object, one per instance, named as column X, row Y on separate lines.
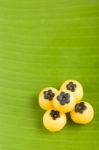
column 59, row 102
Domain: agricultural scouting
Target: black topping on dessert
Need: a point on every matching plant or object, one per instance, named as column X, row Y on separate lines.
column 49, row 95
column 54, row 114
column 80, row 107
column 71, row 86
column 63, row 98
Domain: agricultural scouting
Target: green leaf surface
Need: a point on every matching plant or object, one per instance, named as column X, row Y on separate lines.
column 43, row 43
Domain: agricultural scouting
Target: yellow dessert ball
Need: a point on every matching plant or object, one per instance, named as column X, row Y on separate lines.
column 46, row 98
column 64, row 101
column 82, row 113
column 75, row 87
column 54, row 120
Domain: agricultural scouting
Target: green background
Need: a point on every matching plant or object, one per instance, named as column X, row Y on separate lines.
column 43, row 43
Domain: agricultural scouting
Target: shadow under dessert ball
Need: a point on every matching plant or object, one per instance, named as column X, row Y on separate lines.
column 54, row 120
column 73, row 86
column 46, row 98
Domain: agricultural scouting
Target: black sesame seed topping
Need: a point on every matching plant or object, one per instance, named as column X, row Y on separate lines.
column 71, row 86
column 63, row 98
column 80, row 107
column 49, row 95
column 54, row 114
